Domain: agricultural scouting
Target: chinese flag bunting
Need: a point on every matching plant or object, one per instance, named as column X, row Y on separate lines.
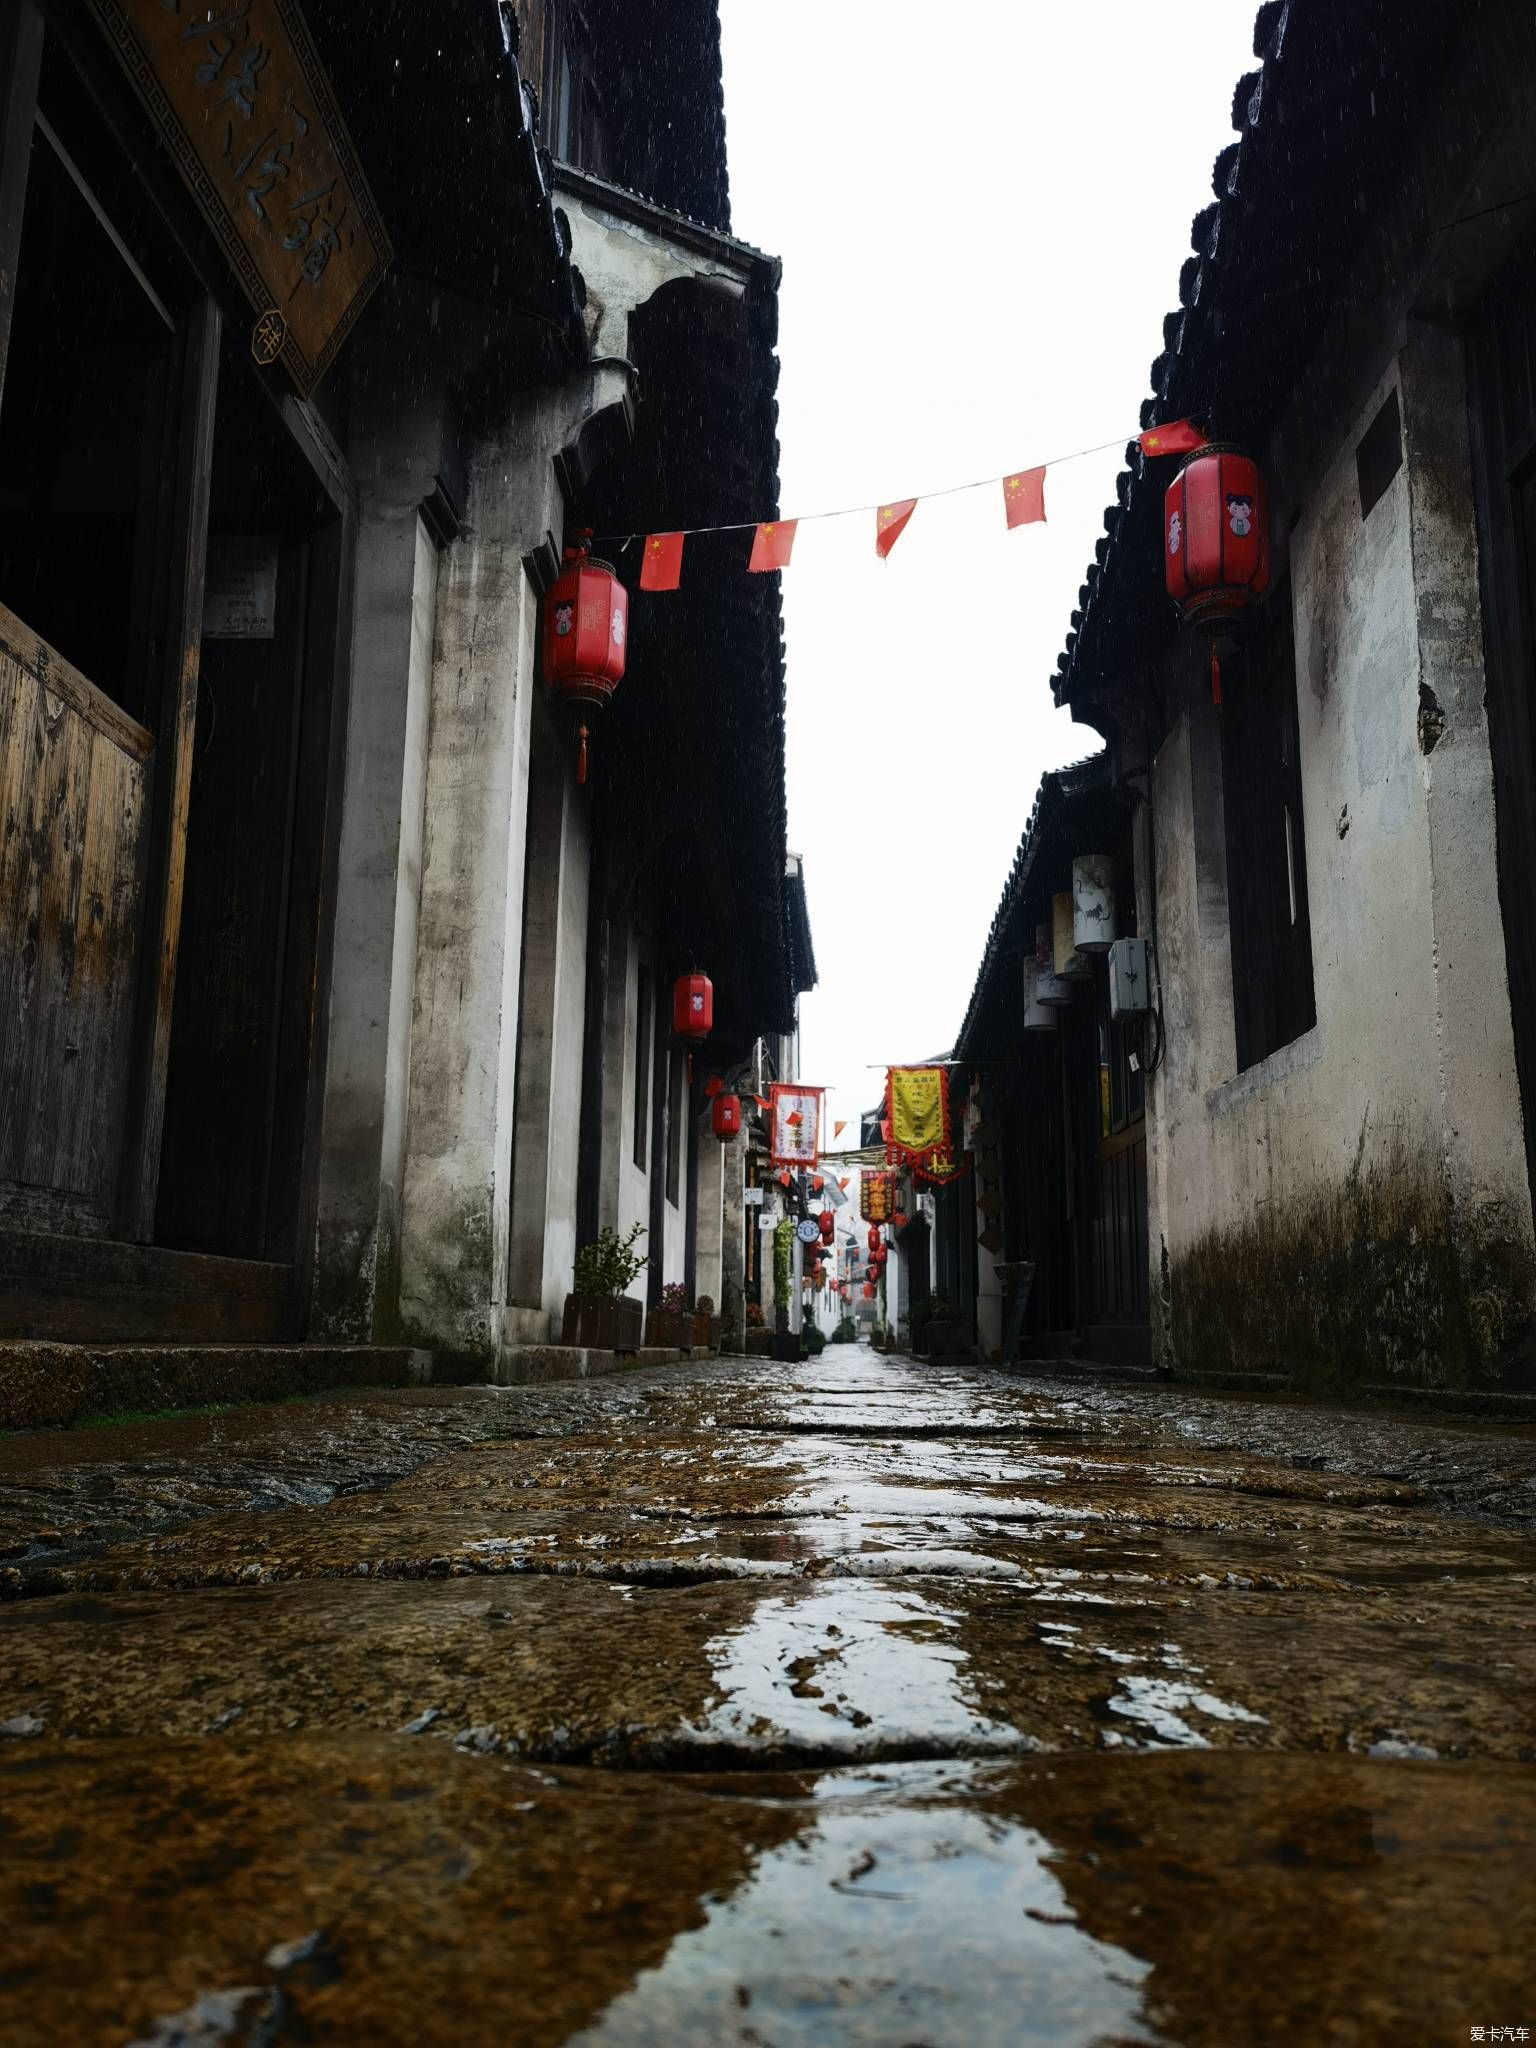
column 661, row 565
column 891, row 524
column 1179, row 437
column 1024, row 497
column 838, row 1130
column 772, row 545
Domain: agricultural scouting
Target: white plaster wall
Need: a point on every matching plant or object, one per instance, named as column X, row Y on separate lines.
column 1412, row 1047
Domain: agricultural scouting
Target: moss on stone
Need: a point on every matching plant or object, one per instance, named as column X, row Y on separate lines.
column 1379, row 1278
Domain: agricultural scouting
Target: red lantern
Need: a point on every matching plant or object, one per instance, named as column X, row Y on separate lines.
column 1216, row 536
column 693, row 1006
column 869, row 1292
column 899, row 1218
column 828, row 1223
column 725, row 1116
column 712, row 1087
column 874, row 1237
column 586, row 631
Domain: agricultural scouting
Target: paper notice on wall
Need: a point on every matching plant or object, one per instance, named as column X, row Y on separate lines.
column 240, row 587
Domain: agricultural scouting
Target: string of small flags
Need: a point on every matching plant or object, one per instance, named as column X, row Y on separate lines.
column 773, row 540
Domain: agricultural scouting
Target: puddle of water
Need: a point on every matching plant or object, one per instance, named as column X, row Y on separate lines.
column 884, row 1923
column 860, row 1664
column 1160, row 1704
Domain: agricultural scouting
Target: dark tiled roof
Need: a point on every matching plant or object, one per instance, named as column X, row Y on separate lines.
column 445, row 126
column 1322, row 125
column 797, row 923
column 1057, row 790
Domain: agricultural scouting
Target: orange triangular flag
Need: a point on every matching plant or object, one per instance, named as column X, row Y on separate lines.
column 661, row 563
column 891, row 524
column 772, row 545
column 1179, row 437
column 838, row 1130
column 1024, row 497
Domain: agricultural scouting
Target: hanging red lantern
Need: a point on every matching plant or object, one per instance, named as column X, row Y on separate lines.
column 712, row 1087
column 869, row 1292
column 828, row 1225
column 899, row 1218
column 874, row 1236
column 693, row 1006
column 1216, row 536
column 725, row 1116
column 586, row 632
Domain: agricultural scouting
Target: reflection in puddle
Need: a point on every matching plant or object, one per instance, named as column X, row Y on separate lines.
column 888, row 1921
column 818, row 1671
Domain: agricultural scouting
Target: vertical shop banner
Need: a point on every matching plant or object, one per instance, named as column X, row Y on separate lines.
column 794, row 1123
column 917, row 1113
column 876, row 1196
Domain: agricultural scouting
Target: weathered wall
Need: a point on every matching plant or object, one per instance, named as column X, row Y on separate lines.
column 1355, row 1207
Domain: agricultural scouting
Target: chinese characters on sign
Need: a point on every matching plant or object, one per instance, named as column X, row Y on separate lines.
column 876, row 1192
column 794, row 1122
column 241, row 101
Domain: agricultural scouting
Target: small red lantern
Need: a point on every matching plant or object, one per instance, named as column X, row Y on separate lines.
column 828, row 1223
column 899, row 1218
column 712, row 1087
column 693, row 1006
column 725, row 1116
column 874, row 1237
column 586, row 632
column 869, row 1292
column 1216, row 536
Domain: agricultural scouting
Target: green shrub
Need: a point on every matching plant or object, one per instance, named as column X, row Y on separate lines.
column 605, row 1267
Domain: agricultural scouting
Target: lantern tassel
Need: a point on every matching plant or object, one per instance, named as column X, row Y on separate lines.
column 1215, row 677
column 581, row 755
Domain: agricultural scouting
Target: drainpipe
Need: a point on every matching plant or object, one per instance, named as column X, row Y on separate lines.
column 691, row 1232
column 661, row 1099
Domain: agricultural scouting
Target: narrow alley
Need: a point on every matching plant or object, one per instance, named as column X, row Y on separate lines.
column 751, row 1703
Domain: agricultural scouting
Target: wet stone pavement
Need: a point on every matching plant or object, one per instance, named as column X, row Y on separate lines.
column 858, row 1702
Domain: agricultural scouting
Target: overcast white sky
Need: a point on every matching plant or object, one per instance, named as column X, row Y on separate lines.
column 982, row 212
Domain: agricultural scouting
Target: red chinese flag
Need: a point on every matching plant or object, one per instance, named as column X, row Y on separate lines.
column 1179, row 437
column 772, row 545
column 1024, row 497
column 661, row 565
column 891, row 524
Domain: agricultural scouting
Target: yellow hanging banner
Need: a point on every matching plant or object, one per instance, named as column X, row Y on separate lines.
column 918, row 1102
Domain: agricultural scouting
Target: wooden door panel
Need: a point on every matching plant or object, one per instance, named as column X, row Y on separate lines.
column 74, row 772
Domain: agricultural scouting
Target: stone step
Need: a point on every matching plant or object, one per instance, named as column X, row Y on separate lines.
column 50, row 1386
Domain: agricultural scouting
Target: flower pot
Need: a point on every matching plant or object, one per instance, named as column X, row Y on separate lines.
column 706, row 1332
column 668, row 1328
column 602, row 1325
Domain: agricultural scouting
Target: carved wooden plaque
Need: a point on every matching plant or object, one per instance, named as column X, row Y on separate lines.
column 238, row 94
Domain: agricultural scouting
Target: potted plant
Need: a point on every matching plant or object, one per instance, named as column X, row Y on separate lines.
column 706, row 1324
column 598, row 1313
column 670, row 1322
column 759, row 1336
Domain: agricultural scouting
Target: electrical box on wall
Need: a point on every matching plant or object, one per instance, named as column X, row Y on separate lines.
column 1129, row 978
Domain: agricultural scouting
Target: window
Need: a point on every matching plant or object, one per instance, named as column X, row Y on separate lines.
column 1266, row 844
column 573, row 107
column 644, row 1010
column 677, row 1108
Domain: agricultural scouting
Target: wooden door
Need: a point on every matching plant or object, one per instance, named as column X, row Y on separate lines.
column 74, row 774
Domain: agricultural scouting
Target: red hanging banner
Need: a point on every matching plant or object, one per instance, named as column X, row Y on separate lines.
column 661, row 564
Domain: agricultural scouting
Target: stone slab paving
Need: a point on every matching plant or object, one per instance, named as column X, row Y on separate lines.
column 857, row 1702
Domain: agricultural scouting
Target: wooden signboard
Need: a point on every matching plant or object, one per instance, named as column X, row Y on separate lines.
column 239, row 97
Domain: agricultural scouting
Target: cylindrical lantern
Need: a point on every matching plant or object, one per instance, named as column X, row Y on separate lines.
column 869, row 1292
column 1039, row 1015
column 725, row 1116
column 1093, row 902
column 899, row 1218
column 586, row 632
column 693, row 1006
column 874, row 1235
column 828, row 1224
column 1066, row 959
column 1216, row 536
